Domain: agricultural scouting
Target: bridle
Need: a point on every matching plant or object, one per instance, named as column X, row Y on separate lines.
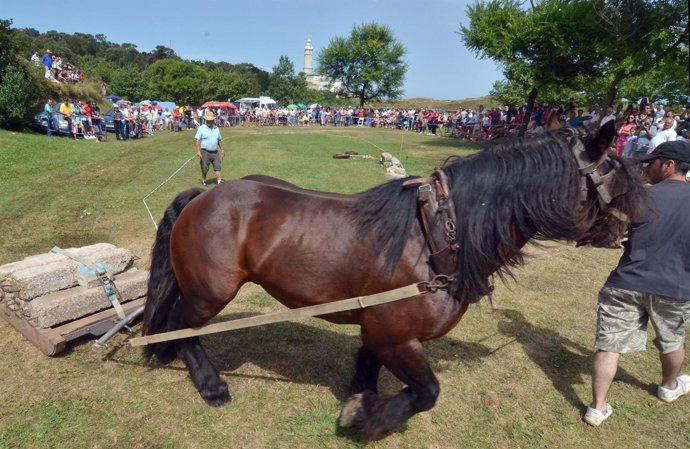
column 602, row 183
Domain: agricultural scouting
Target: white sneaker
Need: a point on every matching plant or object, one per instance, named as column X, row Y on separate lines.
column 594, row 417
column 203, row 182
column 219, row 181
column 682, row 388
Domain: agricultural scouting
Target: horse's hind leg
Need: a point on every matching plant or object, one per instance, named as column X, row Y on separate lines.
column 204, row 375
column 196, row 312
column 367, row 367
column 376, row 416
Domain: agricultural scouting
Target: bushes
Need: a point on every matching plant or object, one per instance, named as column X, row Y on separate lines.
column 16, row 97
column 23, row 92
column 23, row 89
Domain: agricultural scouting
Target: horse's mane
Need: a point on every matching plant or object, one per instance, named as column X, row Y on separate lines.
column 513, row 191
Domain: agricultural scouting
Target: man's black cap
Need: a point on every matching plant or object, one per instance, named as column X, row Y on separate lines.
column 678, row 150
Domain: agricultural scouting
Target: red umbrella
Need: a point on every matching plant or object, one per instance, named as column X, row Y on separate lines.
column 218, row 104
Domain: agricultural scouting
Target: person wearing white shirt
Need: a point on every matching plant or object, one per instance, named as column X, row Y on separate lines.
column 666, row 134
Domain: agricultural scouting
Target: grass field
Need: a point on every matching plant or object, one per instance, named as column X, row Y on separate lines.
column 514, row 374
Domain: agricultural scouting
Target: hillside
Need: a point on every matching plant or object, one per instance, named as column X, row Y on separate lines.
column 448, row 105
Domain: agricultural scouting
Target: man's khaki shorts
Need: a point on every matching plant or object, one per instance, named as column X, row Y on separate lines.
column 210, row 158
column 622, row 317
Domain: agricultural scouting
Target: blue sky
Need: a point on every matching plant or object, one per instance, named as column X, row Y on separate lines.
column 260, row 31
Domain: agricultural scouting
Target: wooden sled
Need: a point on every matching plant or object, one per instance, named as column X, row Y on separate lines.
column 52, row 341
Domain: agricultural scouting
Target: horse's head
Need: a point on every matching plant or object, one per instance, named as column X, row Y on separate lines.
column 612, row 191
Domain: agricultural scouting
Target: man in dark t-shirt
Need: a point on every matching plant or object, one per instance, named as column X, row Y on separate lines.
column 650, row 283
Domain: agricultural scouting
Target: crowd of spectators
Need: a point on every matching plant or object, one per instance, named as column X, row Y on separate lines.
column 137, row 120
column 83, row 118
column 55, row 70
column 640, row 127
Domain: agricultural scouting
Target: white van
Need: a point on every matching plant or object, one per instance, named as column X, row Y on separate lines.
column 258, row 103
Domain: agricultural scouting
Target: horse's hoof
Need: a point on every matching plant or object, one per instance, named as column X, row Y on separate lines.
column 219, row 401
column 217, row 396
column 348, row 414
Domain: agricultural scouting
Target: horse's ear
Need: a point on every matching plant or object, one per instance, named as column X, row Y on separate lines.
column 552, row 122
column 605, row 136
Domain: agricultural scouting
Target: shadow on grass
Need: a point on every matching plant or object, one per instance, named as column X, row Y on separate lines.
column 306, row 355
column 303, row 354
column 562, row 360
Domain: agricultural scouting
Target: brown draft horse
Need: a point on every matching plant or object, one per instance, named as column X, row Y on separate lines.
column 307, row 247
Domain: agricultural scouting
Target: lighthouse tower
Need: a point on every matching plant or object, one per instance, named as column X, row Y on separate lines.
column 308, row 56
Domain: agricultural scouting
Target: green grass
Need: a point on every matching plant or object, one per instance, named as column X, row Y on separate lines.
column 512, row 376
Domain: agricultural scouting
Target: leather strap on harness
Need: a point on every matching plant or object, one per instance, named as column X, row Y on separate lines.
column 103, row 275
column 602, row 183
column 589, row 169
column 439, row 220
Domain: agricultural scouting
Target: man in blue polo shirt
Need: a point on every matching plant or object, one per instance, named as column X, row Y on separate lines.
column 650, row 283
column 209, row 147
column 48, row 60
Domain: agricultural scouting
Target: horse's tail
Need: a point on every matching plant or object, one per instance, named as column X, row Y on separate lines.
column 163, row 292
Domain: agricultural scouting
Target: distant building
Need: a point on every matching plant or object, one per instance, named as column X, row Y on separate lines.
column 314, row 80
column 308, row 57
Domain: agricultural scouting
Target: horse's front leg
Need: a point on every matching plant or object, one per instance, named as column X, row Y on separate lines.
column 375, row 416
column 367, row 367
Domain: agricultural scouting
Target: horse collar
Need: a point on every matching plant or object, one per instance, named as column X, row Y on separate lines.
column 437, row 212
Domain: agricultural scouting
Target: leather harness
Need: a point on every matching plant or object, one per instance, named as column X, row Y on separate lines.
column 602, row 183
column 439, row 220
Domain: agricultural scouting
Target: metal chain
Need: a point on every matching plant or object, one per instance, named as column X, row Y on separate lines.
column 440, row 281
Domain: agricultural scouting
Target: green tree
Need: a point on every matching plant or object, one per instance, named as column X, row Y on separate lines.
column 664, row 81
column 97, row 67
column 592, row 48
column 8, row 45
column 128, row 82
column 284, row 85
column 634, row 39
column 15, row 97
column 540, row 48
column 20, row 84
column 254, row 75
column 369, row 63
column 161, row 52
column 176, row 80
column 224, row 85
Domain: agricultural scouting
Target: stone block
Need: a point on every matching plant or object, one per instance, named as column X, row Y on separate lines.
column 73, row 303
column 41, row 274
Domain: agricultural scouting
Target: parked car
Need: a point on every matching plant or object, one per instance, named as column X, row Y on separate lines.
column 40, row 124
column 135, row 132
column 108, row 120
